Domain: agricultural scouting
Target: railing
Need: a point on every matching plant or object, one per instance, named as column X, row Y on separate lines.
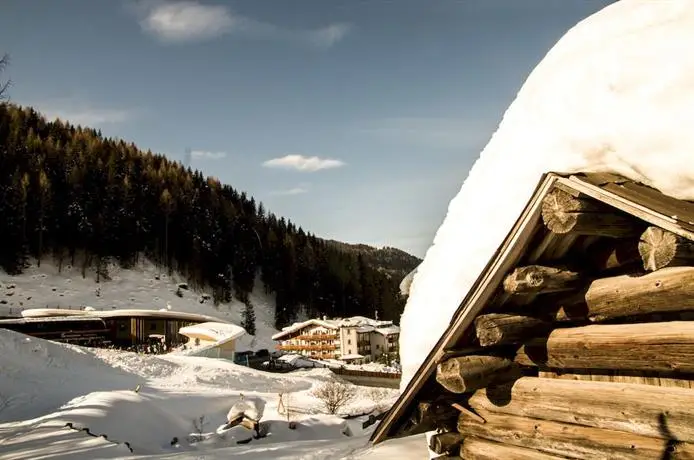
column 307, row 347
column 356, row 373
column 316, row 337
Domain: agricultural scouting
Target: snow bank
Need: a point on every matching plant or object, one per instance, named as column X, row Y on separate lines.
column 164, row 406
column 38, row 376
column 616, row 93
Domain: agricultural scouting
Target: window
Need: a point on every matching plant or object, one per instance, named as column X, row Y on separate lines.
column 378, row 346
column 349, row 341
column 152, row 326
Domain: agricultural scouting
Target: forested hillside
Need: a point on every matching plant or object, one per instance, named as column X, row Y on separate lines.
column 70, row 194
column 393, row 261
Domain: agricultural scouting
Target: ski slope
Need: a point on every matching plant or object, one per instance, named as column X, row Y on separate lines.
column 616, row 93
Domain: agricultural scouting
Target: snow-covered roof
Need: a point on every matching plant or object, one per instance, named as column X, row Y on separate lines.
column 406, row 282
column 328, row 324
column 354, row 321
column 213, row 331
column 352, row 356
column 613, row 95
column 50, row 312
column 363, row 329
column 390, row 330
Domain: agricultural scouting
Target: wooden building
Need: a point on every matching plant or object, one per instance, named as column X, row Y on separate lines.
column 128, row 328
column 576, row 340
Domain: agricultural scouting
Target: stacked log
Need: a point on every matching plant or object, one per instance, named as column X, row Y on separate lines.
column 599, row 363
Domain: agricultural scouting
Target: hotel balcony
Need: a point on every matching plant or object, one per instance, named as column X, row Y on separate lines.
column 296, row 347
column 316, row 337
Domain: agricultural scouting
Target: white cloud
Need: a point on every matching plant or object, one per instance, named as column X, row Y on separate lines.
column 208, row 155
column 303, row 163
column 291, row 191
column 185, row 20
column 328, row 36
column 188, row 21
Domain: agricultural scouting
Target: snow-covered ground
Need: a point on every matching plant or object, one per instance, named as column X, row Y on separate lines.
column 616, row 93
column 143, row 287
column 148, row 400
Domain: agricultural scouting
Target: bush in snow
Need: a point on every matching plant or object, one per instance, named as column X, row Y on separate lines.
column 334, row 395
column 199, row 425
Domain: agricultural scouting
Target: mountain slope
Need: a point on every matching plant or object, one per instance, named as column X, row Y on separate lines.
column 72, row 196
column 393, row 261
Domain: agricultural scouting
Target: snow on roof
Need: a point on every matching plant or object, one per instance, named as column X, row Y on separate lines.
column 388, row 330
column 354, row 321
column 213, row 331
column 613, row 95
column 363, row 329
column 352, row 356
column 49, row 312
column 298, row 326
column 56, row 319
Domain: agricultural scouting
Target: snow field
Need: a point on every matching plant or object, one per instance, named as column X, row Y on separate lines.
column 149, row 400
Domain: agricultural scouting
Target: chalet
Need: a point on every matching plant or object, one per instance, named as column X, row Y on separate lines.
column 357, row 339
column 575, row 341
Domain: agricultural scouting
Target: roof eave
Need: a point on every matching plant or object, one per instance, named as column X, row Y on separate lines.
column 476, row 298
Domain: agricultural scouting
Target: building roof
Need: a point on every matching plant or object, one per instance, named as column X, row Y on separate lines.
column 140, row 313
column 214, row 332
column 390, row 330
column 52, row 319
column 354, row 321
column 638, row 200
column 352, row 356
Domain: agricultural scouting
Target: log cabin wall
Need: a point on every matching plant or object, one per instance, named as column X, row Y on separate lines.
column 585, row 351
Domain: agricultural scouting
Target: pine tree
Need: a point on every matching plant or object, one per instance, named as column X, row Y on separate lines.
column 248, row 322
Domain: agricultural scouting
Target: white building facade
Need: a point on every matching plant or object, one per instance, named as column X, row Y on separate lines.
column 356, row 339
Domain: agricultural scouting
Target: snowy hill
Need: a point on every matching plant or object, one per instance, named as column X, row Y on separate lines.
column 614, row 94
column 143, row 287
column 111, row 398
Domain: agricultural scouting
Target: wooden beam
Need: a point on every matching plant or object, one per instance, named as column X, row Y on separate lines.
column 559, row 438
column 501, row 328
column 481, row 449
column 564, row 213
column 445, row 443
column 659, row 412
column 659, row 249
column 469, row 373
column 643, row 346
column 536, row 279
column 669, row 289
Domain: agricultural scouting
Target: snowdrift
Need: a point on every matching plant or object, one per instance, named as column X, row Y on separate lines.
column 616, row 93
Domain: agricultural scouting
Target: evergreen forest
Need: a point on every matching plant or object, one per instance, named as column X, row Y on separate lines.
column 70, row 194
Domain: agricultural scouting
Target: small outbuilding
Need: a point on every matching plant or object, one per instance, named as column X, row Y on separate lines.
column 212, row 339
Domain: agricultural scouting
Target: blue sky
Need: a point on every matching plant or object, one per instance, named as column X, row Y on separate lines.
column 358, row 120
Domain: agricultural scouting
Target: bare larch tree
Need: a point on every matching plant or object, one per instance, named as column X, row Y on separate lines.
column 4, row 61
